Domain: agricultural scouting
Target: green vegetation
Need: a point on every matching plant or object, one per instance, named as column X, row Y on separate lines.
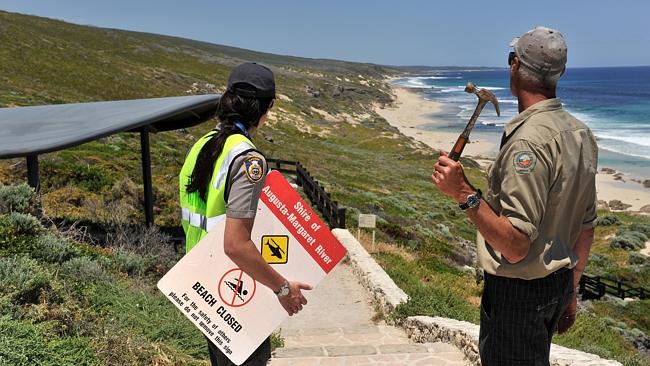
column 435, row 288
column 79, row 304
column 67, row 303
column 594, row 334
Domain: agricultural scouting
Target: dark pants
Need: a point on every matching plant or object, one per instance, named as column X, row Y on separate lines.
column 258, row 358
column 519, row 317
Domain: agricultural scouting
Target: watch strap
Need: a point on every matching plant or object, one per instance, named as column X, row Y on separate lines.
column 465, row 205
column 284, row 289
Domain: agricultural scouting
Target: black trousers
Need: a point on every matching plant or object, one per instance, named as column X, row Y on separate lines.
column 519, row 317
column 259, row 358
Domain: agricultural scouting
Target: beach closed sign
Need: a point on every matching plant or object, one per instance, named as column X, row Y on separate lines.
column 234, row 311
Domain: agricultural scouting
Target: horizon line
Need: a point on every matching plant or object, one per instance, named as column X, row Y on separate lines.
column 293, row 55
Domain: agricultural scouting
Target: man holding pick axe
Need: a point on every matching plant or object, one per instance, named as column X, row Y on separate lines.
column 536, row 221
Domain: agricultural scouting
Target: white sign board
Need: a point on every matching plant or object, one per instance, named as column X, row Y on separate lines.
column 367, row 221
column 228, row 306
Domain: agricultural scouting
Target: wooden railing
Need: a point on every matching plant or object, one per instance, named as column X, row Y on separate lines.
column 283, row 166
column 333, row 214
column 595, row 287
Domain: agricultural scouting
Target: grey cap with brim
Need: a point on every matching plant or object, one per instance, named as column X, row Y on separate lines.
column 542, row 50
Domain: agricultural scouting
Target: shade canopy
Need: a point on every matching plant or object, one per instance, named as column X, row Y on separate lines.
column 30, row 131
column 36, row 130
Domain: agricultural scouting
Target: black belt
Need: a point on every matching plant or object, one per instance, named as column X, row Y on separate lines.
column 550, row 277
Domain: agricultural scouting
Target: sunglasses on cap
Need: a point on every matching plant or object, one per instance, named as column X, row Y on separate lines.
column 511, row 56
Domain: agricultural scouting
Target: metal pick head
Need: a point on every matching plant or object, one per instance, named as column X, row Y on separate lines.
column 483, row 95
column 470, row 87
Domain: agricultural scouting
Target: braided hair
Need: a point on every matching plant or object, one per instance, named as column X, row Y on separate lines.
column 232, row 108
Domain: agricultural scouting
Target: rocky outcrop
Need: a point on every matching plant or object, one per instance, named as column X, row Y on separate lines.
column 618, row 205
column 311, row 91
column 603, row 205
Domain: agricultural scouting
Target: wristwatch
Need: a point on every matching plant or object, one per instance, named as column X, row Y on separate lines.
column 284, row 289
column 473, row 200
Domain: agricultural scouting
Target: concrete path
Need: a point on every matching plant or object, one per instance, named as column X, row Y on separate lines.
column 337, row 328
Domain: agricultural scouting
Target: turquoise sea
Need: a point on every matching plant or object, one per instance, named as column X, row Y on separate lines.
column 613, row 101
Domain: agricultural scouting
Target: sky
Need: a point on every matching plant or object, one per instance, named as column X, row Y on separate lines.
column 432, row 33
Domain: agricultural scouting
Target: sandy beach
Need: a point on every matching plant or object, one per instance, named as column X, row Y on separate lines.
column 410, row 113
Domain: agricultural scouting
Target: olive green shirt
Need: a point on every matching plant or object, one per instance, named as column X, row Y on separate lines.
column 543, row 181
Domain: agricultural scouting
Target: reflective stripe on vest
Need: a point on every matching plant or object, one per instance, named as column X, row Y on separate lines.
column 202, row 222
column 223, row 169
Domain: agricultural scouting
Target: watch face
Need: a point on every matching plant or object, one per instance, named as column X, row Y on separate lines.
column 473, row 201
column 284, row 291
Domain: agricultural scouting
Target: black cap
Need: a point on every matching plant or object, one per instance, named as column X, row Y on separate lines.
column 254, row 75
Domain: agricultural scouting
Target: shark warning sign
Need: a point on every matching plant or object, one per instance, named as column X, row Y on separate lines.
column 275, row 249
column 234, row 311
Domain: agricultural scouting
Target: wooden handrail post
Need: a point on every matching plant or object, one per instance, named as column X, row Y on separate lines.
column 341, row 212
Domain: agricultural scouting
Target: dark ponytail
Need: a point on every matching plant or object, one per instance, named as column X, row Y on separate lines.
column 232, row 108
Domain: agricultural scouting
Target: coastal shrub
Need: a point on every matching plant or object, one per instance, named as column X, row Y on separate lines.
column 68, row 202
column 434, row 216
column 277, row 341
column 628, row 240
column 445, row 231
column 90, row 178
column 601, row 262
column 18, row 233
column 84, row 269
column 24, row 224
column 398, row 205
column 23, row 343
column 54, row 249
column 432, row 301
column 592, row 334
column 640, row 227
column 140, row 306
column 637, row 258
column 125, row 190
column 150, row 249
column 22, row 279
column 607, row 220
column 130, row 263
column 15, row 198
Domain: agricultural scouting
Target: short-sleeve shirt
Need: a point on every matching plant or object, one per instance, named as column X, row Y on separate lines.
column 543, row 181
column 247, row 176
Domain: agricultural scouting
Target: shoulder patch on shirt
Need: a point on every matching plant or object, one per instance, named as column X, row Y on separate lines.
column 524, row 162
column 254, row 168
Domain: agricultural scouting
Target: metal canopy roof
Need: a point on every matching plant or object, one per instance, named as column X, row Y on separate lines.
column 36, row 130
column 30, row 131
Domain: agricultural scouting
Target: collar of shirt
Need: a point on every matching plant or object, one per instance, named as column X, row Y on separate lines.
column 543, row 106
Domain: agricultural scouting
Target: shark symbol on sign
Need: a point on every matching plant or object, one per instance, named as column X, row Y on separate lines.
column 275, row 249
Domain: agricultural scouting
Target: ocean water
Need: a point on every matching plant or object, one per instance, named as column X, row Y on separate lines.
column 614, row 102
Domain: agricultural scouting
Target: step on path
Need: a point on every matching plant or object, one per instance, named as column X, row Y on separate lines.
column 336, row 328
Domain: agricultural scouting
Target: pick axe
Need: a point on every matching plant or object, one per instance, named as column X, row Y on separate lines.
column 484, row 96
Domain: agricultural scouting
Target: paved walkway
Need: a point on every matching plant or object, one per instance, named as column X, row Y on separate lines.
column 336, row 328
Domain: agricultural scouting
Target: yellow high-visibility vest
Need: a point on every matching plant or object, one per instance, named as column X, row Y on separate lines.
column 199, row 216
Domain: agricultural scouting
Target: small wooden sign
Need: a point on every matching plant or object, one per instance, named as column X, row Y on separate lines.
column 367, row 221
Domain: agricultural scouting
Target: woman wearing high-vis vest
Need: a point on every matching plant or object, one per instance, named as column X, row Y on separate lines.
column 222, row 178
